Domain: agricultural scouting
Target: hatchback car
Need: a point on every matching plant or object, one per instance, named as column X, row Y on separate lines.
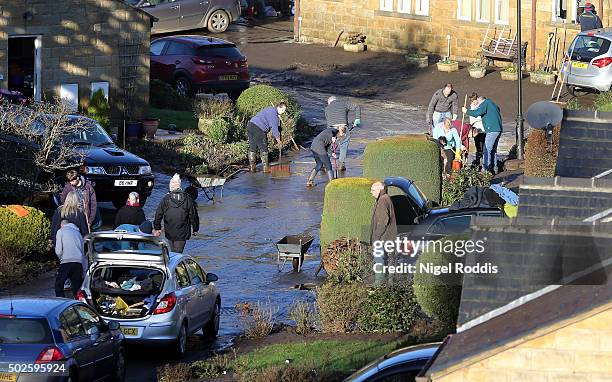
column 66, row 336
column 157, row 296
column 401, row 365
column 591, row 63
column 174, row 15
column 197, row 63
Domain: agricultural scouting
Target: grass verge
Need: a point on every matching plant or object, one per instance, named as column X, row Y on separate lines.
column 184, row 120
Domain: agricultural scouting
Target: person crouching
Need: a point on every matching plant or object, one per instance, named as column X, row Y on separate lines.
column 319, row 148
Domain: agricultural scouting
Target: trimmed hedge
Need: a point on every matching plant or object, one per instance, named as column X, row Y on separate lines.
column 388, row 309
column 439, row 296
column 539, row 161
column 338, row 306
column 408, row 156
column 24, row 235
column 347, row 210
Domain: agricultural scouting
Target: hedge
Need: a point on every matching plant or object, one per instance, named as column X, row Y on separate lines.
column 454, row 188
column 388, row 309
column 539, row 160
column 24, row 235
column 408, row 156
column 347, row 210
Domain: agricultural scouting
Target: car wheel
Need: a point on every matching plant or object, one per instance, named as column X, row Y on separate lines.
column 212, row 327
column 218, row 21
column 120, row 371
column 182, row 85
column 180, row 344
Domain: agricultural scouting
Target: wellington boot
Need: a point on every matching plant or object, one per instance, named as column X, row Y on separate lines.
column 265, row 161
column 311, row 178
column 252, row 161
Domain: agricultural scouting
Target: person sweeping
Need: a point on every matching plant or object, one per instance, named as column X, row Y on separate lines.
column 319, row 147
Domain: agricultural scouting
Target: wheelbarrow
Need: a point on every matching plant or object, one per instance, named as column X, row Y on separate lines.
column 208, row 183
column 292, row 247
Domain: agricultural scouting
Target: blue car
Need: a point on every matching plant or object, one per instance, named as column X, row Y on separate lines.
column 56, row 339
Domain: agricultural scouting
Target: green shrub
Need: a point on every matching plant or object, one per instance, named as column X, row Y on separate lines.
column 339, row 305
column 388, row 308
column 439, row 296
column 181, row 372
column 24, row 235
column 258, row 97
column 218, row 131
column 99, row 110
column 454, row 188
column 163, row 96
column 574, row 104
column 540, row 160
column 410, row 156
column 304, row 316
column 351, row 267
column 347, row 210
column 211, row 108
column 603, row 101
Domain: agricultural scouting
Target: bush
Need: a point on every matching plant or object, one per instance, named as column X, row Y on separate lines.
column 410, row 156
column 218, row 130
column 347, row 210
column 388, row 308
column 99, row 110
column 24, row 235
column 256, row 320
column 163, row 96
column 258, row 97
column 541, row 161
column 346, row 262
column 603, row 101
column 453, row 189
column 439, row 296
column 338, row 306
column 304, row 316
column 180, row 372
column 202, row 152
column 212, row 108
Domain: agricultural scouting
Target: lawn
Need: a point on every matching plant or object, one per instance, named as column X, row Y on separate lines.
column 184, row 120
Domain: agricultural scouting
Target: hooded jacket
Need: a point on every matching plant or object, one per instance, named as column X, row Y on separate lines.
column 129, row 215
column 383, row 225
column 88, row 197
column 179, row 214
column 69, row 244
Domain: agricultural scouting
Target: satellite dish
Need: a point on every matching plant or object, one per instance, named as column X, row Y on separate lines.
column 544, row 115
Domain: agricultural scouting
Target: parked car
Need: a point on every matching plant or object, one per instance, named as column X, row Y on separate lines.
column 157, row 296
column 41, row 330
column 215, row 15
column 113, row 171
column 401, row 365
column 591, row 67
column 198, row 63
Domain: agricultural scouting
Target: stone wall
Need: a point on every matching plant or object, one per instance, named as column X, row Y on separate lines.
column 397, row 32
column 81, row 43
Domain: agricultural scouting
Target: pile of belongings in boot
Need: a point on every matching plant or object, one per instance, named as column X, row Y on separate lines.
column 493, row 196
column 130, row 298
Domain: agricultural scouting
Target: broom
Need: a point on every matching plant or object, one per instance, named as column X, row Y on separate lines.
column 457, row 162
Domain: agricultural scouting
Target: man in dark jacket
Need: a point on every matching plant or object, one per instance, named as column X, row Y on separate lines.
column 179, row 214
column 257, row 129
column 492, row 123
column 319, row 147
column 86, row 193
column 336, row 115
column 383, row 226
column 589, row 19
column 443, row 104
column 131, row 213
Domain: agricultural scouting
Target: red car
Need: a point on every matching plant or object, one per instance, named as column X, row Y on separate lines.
column 199, row 64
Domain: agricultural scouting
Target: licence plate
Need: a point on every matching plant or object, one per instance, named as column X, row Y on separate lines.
column 133, row 332
column 8, row 377
column 580, row 65
column 228, row 78
column 125, row 183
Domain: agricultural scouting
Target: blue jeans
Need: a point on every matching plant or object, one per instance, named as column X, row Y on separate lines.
column 438, row 117
column 490, row 150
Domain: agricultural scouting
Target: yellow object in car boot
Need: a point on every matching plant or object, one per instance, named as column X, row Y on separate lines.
column 510, row 210
column 120, row 306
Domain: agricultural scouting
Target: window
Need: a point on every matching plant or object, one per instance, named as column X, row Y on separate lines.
column 386, row 5
column 182, row 277
column 71, row 324
column 587, row 48
column 483, row 11
column 464, row 10
column 421, row 7
column 219, row 50
column 25, row 331
column 157, row 48
column 403, row 6
column 197, row 276
column 452, row 224
column 178, row 49
column 502, row 11
column 91, row 321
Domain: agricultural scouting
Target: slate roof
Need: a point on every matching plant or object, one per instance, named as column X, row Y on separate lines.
column 585, row 147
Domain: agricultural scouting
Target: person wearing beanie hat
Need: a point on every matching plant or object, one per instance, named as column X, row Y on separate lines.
column 179, row 215
column 588, row 19
column 131, row 213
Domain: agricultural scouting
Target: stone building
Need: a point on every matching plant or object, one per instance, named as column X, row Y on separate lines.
column 70, row 48
column 401, row 25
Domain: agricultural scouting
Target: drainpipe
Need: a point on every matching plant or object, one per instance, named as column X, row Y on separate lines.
column 297, row 25
column 534, row 36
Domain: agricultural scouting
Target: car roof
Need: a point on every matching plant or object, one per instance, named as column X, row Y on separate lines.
column 32, row 306
column 602, row 32
column 408, row 354
column 195, row 40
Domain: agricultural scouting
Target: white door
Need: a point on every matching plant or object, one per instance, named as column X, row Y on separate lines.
column 37, row 67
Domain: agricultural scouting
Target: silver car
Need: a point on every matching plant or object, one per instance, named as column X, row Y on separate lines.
column 157, row 296
column 174, row 15
column 591, row 65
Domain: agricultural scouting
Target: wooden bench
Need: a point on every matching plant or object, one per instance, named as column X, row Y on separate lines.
column 504, row 50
